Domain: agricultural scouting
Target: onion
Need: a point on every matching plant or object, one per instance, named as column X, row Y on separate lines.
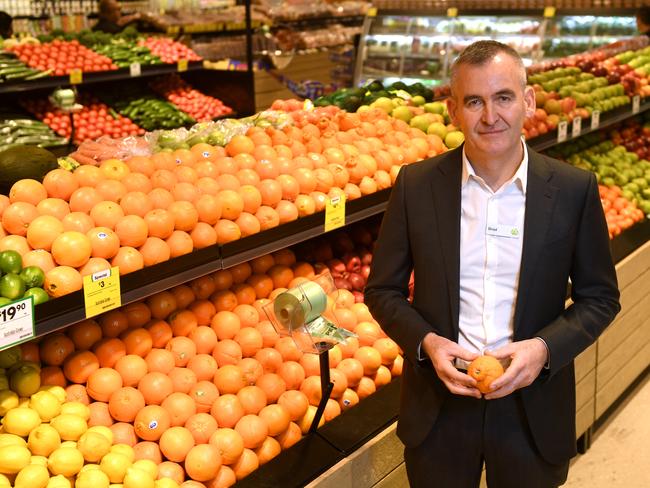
column 352, row 262
column 357, row 281
column 358, row 296
column 336, row 266
column 365, row 271
column 342, row 283
column 343, row 243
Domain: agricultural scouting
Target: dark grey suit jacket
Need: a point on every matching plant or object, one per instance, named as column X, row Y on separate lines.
column 565, row 236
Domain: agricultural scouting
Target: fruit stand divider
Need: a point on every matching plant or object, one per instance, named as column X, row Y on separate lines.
column 52, row 82
column 559, row 12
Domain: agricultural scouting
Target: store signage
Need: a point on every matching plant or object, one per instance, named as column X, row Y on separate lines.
column 16, row 322
column 562, row 131
column 334, row 213
column 576, row 128
column 452, row 12
column 76, row 77
column 182, row 65
column 636, row 104
column 595, row 119
column 549, row 12
column 102, row 291
column 135, row 69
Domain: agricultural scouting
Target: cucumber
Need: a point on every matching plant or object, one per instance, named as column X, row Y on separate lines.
column 22, row 74
column 40, row 74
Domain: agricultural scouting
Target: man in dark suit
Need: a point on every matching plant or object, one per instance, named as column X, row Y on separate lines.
column 493, row 232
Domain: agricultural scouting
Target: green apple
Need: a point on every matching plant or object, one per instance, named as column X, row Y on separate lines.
column 418, row 100
column 421, row 122
column 454, row 139
column 438, row 129
column 402, row 113
column 435, row 107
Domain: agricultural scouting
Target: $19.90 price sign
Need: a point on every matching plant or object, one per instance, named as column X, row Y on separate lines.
column 16, row 322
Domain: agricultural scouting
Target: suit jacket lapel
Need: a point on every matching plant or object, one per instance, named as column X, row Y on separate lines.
column 540, row 202
column 445, row 188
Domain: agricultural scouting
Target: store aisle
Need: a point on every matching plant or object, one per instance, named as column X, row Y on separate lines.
column 619, row 455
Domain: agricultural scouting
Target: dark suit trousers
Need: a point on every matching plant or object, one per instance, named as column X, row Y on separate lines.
column 469, row 432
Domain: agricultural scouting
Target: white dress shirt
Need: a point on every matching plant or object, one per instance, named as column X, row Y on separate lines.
column 491, row 241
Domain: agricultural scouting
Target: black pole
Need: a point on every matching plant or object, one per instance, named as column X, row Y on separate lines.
column 249, row 37
column 325, row 384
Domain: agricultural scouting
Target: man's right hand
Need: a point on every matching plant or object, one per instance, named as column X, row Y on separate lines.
column 443, row 353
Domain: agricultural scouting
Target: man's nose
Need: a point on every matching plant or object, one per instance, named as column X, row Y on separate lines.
column 489, row 114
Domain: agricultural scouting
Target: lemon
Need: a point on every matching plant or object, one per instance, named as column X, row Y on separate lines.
column 12, row 440
column 65, row 461
column 148, row 466
column 93, row 446
column 23, row 402
column 137, row 478
column 126, row 450
column 41, row 460
column 55, row 390
column 88, row 467
column 32, row 476
column 13, row 459
column 92, row 478
column 115, row 464
column 103, row 430
column 25, row 381
column 115, row 485
column 69, row 426
column 165, row 483
column 4, row 481
column 21, row 421
column 10, row 356
column 4, row 382
column 46, row 404
column 59, row 481
column 72, row 444
column 43, row 440
column 76, row 408
column 8, row 400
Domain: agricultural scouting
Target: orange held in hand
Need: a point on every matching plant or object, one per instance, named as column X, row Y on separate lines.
column 485, row 369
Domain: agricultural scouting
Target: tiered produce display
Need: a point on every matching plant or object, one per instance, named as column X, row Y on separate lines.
column 194, row 385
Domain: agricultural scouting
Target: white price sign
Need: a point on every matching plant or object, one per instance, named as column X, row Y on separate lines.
column 595, row 119
column 16, row 322
column 576, row 127
column 562, row 131
column 636, row 104
column 134, row 69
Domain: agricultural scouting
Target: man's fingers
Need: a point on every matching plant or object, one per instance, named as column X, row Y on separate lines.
column 462, row 390
column 504, row 352
column 460, row 352
column 510, row 375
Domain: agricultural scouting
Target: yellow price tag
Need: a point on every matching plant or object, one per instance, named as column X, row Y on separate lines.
column 372, row 12
column 182, row 65
column 102, row 291
column 76, row 77
column 549, row 12
column 452, row 12
column 308, row 105
column 335, row 213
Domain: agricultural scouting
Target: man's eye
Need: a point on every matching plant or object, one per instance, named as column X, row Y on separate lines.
column 505, row 98
column 474, row 103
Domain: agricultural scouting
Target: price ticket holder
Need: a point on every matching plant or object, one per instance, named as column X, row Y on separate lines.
column 305, row 313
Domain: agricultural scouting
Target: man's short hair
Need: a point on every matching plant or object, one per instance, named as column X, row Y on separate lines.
column 481, row 52
column 643, row 14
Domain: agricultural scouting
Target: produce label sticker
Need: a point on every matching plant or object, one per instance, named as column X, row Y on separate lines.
column 182, row 65
column 16, row 322
column 76, row 76
column 372, row 12
column 335, row 213
column 549, row 12
column 452, row 12
column 595, row 119
column 102, row 291
column 576, row 127
column 562, row 131
column 636, row 104
column 135, row 69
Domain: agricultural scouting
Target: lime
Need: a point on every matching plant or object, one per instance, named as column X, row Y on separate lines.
column 12, row 286
column 33, row 276
column 11, row 262
column 40, row 295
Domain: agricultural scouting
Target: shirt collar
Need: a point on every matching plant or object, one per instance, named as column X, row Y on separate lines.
column 520, row 177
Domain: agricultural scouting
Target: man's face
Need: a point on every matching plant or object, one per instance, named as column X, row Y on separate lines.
column 489, row 103
column 113, row 11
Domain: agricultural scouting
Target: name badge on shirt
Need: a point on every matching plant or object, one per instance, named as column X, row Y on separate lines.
column 503, row 230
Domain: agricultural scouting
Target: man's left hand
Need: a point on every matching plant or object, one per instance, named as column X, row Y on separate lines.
column 527, row 360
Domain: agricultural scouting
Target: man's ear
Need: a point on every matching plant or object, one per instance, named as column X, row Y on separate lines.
column 529, row 100
column 451, row 108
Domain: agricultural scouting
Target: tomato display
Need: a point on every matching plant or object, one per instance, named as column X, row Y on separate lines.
column 62, row 57
column 169, row 50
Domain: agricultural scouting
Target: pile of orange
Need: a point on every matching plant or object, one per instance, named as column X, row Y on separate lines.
column 147, row 210
column 200, row 366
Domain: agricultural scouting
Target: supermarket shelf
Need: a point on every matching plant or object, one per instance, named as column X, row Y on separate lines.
column 299, row 230
column 508, row 13
column 53, row 82
column 628, row 241
column 606, row 119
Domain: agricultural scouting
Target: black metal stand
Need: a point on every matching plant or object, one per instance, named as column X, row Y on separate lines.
column 584, row 441
column 326, row 385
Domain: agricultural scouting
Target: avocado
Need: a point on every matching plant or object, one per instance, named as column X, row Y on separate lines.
column 20, row 162
column 375, row 86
